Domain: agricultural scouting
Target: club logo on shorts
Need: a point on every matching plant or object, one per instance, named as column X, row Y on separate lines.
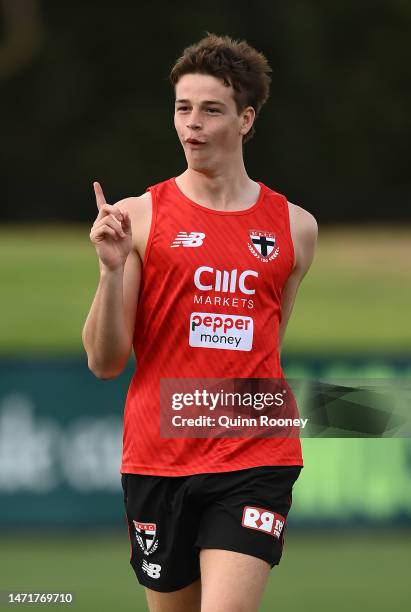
column 262, row 245
column 193, row 239
column 152, row 569
column 263, row 520
column 146, row 536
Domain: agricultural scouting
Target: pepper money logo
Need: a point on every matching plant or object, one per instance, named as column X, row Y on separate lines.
column 213, row 330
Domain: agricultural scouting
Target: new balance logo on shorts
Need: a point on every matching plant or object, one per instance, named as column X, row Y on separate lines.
column 151, row 569
column 263, row 520
column 193, row 239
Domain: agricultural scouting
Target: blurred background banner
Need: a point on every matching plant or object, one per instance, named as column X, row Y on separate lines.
column 85, row 96
column 60, row 453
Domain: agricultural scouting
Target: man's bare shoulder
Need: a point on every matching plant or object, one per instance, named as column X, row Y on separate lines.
column 135, row 204
column 304, row 232
column 139, row 209
column 302, row 221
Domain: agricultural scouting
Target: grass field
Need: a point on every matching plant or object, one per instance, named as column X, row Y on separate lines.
column 356, row 297
column 318, row 573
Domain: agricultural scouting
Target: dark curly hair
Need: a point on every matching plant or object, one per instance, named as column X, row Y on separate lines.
column 236, row 63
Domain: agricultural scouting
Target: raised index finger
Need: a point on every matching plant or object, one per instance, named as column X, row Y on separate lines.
column 100, row 199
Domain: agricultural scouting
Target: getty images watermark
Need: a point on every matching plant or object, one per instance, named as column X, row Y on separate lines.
column 204, row 408
column 271, row 407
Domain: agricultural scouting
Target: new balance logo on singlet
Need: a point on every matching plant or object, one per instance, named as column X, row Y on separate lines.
column 193, row 239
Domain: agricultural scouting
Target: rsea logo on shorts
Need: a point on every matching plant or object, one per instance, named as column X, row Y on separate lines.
column 263, row 520
column 222, row 331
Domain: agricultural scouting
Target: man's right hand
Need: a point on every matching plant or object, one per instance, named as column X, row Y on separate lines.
column 111, row 232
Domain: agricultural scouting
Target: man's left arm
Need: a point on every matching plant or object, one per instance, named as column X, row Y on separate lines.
column 304, row 232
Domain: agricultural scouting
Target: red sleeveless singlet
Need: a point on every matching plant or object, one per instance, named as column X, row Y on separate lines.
column 201, row 264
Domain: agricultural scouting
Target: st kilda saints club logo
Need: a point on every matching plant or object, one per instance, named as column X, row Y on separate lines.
column 263, row 245
column 146, row 536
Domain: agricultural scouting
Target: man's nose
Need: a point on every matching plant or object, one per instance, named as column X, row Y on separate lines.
column 194, row 122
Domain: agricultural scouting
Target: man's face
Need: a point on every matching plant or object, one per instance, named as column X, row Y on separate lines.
column 206, row 120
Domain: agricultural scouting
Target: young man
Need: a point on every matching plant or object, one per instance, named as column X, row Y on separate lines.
column 206, row 516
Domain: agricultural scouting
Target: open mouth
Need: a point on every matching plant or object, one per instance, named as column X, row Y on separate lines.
column 194, row 141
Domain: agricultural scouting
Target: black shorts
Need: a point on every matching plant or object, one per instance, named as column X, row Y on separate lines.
column 170, row 518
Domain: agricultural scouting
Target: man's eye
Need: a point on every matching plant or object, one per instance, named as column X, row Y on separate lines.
column 183, row 108
column 213, row 110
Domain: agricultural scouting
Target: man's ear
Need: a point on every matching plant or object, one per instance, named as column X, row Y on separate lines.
column 248, row 116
